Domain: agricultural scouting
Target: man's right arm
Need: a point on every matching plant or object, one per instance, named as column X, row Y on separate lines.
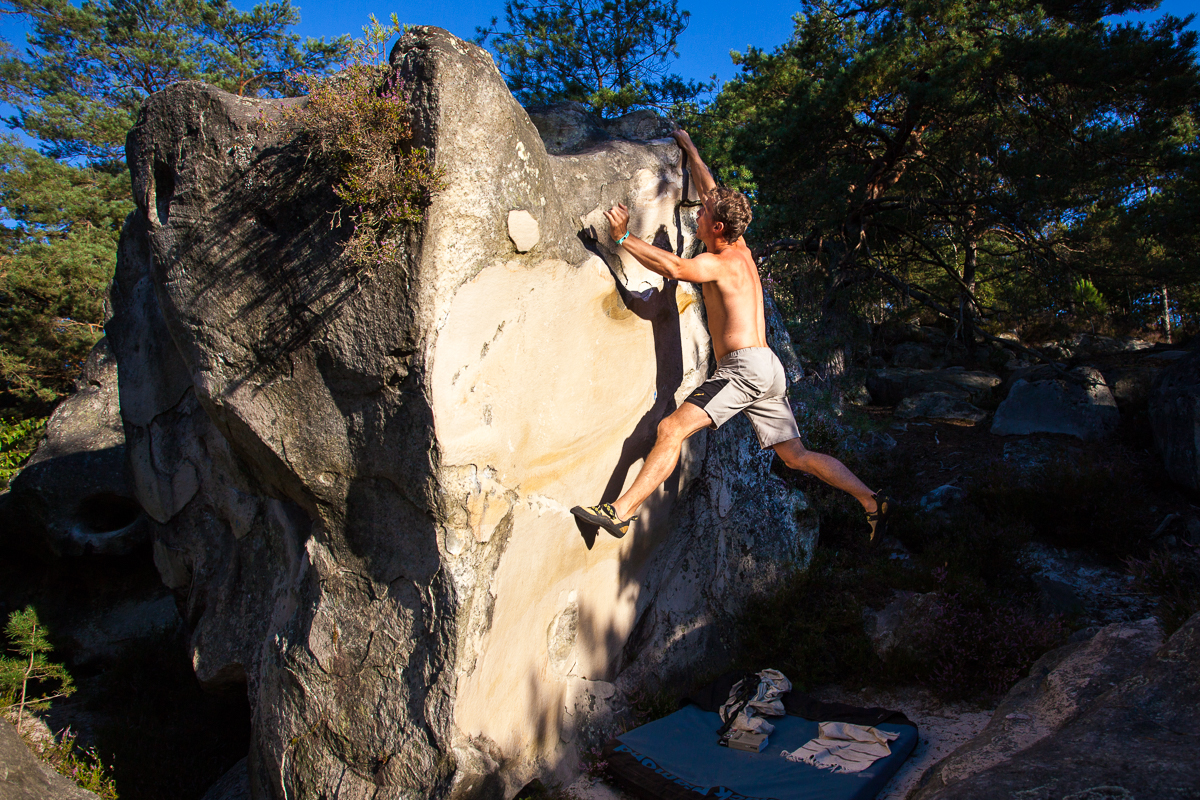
column 700, row 172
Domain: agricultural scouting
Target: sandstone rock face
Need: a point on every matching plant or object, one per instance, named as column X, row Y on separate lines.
column 74, row 496
column 1079, row 404
column 1175, row 419
column 360, row 480
column 1136, row 739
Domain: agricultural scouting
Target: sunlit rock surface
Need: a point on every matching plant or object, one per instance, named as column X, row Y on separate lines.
column 360, row 479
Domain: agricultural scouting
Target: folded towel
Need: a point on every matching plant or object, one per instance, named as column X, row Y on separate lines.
column 843, row 747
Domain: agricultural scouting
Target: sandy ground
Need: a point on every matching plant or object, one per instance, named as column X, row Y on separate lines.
column 942, row 727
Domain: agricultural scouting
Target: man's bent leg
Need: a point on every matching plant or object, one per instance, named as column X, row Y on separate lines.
column 672, row 431
column 828, row 469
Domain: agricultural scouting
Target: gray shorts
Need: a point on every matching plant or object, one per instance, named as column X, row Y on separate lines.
column 750, row 380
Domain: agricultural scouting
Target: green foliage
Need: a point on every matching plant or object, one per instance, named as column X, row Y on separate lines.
column 83, row 766
column 970, row 157
column 77, row 86
column 81, row 80
column 58, row 252
column 610, row 54
column 24, row 680
column 360, row 117
column 1088, row 298
column 18, row 440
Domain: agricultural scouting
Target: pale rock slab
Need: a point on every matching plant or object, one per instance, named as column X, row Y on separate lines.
column 360, row 480
column 523, row 229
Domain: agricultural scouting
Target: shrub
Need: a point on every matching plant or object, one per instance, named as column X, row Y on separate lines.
column 973, row 645
column 83, row 766
column 360, row 117
column 1177, row 586
column 18, row 440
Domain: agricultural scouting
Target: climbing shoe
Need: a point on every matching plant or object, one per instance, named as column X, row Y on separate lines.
column 878, row 519
column 604, row 516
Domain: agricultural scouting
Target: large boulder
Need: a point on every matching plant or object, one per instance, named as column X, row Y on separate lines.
column 74, row 496
column 1135, row 739
column 359, row 481
column 1060, row 685
column 1175, row 419
column 1077, row 403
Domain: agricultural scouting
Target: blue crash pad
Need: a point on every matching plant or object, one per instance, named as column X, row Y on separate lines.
column 683, row 749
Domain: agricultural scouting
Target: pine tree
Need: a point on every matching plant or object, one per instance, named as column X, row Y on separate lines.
column 24, row 680
column 610, row 54
column 77, row 88
column 978, row 158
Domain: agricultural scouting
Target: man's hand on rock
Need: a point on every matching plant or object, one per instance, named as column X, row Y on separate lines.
column 683, row 140
column 618, row 221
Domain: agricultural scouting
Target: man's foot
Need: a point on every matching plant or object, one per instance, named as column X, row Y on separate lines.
column 878, row 519
column 604, row 516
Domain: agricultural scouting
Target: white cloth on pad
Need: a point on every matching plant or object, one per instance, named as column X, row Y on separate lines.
column 767, row 701
column 844, row 747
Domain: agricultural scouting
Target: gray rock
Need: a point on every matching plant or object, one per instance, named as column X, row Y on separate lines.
column 23, row 776
column 942, row 497
column 1097, row 592
column 1078, row 404
column 233, row 785
column 895, row 625
column 74, row 497
column 1175, row 419
column 359, row 481
column 918, row 355
column 1090, row 344
column 1060, row 685
column 939, row 405
column 1086, row 737
column 570, row 128
column 889, row 386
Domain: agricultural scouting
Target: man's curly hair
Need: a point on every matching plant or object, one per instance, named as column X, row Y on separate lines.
column 731, row 207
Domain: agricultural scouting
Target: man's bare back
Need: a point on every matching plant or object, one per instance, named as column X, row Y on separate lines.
column 749, row 378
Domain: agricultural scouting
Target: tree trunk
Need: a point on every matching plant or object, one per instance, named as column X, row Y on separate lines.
column 1166, row 313
column 966, row 309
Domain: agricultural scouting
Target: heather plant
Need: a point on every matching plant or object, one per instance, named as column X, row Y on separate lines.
column 81, row 765
column 971, row 644
column 360, row 118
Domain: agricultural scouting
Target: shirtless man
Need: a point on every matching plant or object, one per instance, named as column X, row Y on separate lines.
column 749, row 377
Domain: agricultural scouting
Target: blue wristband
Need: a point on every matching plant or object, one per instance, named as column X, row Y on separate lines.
column 622, row 239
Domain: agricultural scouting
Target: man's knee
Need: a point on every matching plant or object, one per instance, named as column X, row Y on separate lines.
column 793, row 454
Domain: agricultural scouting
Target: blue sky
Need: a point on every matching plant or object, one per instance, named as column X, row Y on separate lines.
column 715, row 29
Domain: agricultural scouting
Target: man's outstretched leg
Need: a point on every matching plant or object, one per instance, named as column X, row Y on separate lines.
column 664, row 457
column 837, row 475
